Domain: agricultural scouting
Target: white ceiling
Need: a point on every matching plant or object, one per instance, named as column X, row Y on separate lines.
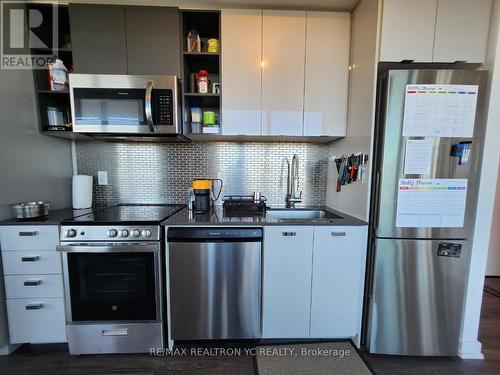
column 338, row 5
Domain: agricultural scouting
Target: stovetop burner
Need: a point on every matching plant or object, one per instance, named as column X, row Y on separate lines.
column 128, row 214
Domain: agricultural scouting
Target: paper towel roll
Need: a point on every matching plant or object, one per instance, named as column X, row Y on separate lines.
column 82, row 191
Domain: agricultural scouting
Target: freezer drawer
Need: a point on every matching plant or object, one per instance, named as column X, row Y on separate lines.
column 215, row 290
column 417, row 296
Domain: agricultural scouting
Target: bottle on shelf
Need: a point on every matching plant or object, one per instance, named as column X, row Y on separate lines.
column 58, row 76
column 213, row 45
column 202, row 81
column 193, row 41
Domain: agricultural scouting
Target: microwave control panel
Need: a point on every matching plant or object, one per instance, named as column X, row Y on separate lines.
column 163, row 107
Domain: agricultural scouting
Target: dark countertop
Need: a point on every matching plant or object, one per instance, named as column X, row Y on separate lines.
column 53, row 218
column 216, row 217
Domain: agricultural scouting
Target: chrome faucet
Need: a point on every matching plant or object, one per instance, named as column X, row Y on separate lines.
column 292, row 187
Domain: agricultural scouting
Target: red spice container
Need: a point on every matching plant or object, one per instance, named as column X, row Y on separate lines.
column 202, row 81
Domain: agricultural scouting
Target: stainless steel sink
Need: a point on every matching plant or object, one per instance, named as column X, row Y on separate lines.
column 299, row 214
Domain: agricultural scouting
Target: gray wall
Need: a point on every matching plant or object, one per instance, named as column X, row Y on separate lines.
column 354, row 199
column 32, row 166
column 162, row 173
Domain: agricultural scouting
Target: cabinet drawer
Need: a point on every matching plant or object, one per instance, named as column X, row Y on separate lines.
column 31, row 262
column 39, row 320
column 42, row 237
column 34, row 286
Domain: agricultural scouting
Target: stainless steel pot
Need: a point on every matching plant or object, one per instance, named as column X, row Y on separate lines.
column 28, row 210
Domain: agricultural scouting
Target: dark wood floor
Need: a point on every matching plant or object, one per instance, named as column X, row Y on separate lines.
column 55, row 360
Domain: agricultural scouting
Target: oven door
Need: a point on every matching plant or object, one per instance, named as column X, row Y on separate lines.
column 124, row 104
column 112, row 282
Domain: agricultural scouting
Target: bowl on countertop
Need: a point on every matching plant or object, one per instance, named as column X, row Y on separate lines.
column 30, row 210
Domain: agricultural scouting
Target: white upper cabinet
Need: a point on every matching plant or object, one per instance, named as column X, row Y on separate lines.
column 462, row 30
column 283, row 57
column 277, row 83
column 241, row 71
column 326, row 73
column 435, row 30
column 408, row 30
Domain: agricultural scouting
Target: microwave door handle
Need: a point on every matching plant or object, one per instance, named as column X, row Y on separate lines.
column 148, row 106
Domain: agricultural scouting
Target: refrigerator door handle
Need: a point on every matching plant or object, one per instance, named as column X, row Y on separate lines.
column 376, row 200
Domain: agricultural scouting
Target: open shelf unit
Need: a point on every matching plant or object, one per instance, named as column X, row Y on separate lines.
column 207, row 24
column 45, row 97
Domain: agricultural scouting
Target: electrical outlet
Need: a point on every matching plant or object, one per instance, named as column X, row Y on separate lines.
column 102, row 177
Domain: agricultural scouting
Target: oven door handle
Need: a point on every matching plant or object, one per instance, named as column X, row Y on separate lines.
column 136, row 248
column 148, row 104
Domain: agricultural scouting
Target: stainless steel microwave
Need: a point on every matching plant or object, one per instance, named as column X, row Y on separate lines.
column 135, row 105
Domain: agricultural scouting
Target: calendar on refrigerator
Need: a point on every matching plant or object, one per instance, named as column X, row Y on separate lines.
column 440, row 110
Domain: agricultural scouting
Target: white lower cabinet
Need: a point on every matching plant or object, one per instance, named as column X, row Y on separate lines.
column 339, row 256
column 313, row 281
column 36, row 320
column 286, row 281
column 32, row 286
column 24, row 237
column 32, row 271
column 31, row 262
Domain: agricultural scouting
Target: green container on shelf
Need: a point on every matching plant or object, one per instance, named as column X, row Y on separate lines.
column 208, row 118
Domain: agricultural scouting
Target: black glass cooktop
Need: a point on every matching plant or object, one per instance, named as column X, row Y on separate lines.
column 129, row 213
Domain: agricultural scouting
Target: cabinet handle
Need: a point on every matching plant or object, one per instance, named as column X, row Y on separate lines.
column 338, row 234
column 289, row 234
column 28, row 234
column 115, row 332
column 32, row 282
column 30, row 259
column 34, row 306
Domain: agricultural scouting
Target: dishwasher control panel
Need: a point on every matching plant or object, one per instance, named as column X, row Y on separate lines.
column 204, row 233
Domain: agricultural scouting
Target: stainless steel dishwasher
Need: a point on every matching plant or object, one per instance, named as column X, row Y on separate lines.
column 215, row 283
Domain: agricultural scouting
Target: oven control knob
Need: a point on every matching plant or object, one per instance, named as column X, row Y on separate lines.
column 136, row 233
column 123, row 233
column 112, row 233
column 146, row 233
column 71, row 233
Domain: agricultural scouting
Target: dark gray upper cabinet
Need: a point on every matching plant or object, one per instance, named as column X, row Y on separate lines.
column 153, row 40
column 98, row 38
column 110, row 39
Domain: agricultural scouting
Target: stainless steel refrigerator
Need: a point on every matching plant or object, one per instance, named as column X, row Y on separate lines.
column 420, row 246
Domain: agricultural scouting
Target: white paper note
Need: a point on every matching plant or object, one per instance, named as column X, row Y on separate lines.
column 440, row 110
column 431, row 203
column 418, row 156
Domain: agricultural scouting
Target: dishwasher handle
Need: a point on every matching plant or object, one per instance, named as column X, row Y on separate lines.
column 214, row 234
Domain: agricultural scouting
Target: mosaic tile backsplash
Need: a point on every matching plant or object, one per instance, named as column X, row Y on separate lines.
column 162, row 173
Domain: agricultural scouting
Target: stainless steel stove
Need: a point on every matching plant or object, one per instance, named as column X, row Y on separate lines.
column 112, row 262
